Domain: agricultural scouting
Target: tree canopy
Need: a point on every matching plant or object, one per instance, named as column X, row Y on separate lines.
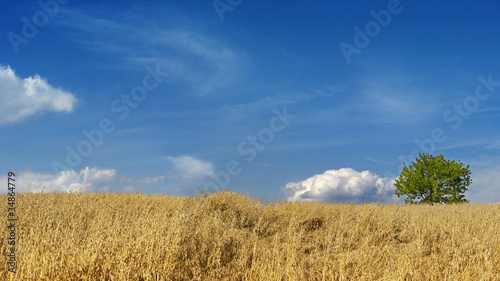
column 432, row 180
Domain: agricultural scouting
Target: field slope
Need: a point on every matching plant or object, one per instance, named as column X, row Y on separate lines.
column 229, row 236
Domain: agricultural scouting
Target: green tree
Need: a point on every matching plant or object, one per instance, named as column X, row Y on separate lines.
column 433, row 179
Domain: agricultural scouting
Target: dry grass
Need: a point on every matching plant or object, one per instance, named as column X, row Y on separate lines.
column 228, row 236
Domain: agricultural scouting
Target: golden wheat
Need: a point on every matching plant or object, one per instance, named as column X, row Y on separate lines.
column 229, row 236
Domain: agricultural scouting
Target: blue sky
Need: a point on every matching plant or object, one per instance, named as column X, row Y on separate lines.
column 291, row 100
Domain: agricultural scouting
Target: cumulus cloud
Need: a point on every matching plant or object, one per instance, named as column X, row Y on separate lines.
column 345, row 184
column 87, row 179
column 189, row 167
column 21, row 98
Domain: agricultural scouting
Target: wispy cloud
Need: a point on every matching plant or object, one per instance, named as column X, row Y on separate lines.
column 21, row 98
column 222, row 65
column 149, row 180
column 381, row 162
column 389, row 104
column 188, row 167
column 373, row 102
column 488, row 144
column 188, row 173
column 487, row 110
column 244, row 111
column 202, row 61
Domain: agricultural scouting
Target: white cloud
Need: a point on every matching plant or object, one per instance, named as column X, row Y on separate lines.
column 87, row 179
column 484, row 187
column 345, row 184
column 148, row 180
column 188, row 167
column 188, row 174
column 21, row 98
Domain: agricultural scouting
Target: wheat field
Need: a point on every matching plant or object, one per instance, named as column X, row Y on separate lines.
column 231, row 236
